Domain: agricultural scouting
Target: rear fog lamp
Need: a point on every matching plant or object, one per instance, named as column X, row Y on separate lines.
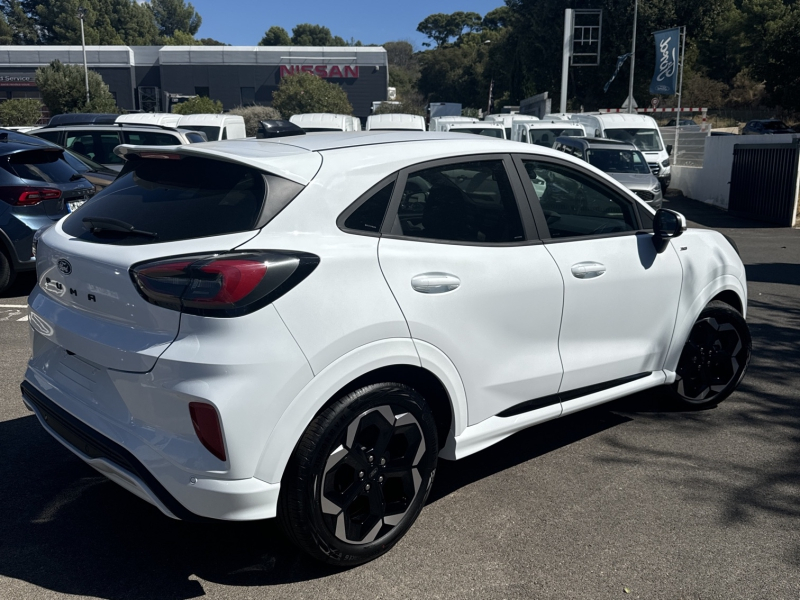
column 206, row 425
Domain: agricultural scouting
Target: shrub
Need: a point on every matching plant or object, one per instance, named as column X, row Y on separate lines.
column 306, row 93
column 20, row 112
column 253, row 114
column 63, row 90
column 199, row 105
column 406, row 108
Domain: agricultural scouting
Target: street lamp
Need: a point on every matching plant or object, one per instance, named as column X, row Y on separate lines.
column 82, row 16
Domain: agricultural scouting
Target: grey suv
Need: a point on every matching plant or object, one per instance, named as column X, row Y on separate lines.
column 620, row 160
column 97, row 141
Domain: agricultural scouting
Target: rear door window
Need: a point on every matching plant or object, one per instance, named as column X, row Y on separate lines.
column 151, row 138
column 175, row 200
column 39, row 165
column 50, row 136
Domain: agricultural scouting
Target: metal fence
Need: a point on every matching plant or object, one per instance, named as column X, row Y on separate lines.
column 764, row 182
column 688, row 145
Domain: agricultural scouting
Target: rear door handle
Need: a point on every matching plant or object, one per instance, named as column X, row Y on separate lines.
column 588, row 270
column 435, row 283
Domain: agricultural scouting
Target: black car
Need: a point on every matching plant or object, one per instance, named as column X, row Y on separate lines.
column 766, row 127
column 37, row 188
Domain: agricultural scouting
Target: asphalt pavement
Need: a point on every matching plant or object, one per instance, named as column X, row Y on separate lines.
column 633, row 499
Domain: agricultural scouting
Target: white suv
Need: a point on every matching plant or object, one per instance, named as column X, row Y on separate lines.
column 301, row 327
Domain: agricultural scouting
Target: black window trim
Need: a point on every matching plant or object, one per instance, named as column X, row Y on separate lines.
column 529, row 228
column 361, row 200
column 538, row 213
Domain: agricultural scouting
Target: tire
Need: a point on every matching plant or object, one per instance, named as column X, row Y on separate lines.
column 714, row 358
column 7, row 274
column 343, row 508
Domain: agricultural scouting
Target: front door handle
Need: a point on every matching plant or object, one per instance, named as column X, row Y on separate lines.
column 588, row 270
column 435, row 283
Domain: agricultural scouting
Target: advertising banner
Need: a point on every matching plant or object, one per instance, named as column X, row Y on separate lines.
column 665, row 78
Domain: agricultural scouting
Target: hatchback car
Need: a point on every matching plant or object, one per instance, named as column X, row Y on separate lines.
column 621, row 161
column 37, row 188
column 766, row 127
column 303, row 326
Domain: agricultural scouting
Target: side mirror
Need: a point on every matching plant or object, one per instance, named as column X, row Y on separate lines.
column 667, row 224
column 669, row 149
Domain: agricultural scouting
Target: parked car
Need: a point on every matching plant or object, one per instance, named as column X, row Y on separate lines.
column 302, row 326
column 621, row 161
column 766, row 127
column 545, row 132
column 215, row 127
column 37, row 188
column 685, row 124
column 325, row 122
column 97, row 139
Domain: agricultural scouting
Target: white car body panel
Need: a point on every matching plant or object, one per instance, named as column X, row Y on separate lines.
column 330, row 121
column 232, row 124
column 395, row 121
column 269, row 372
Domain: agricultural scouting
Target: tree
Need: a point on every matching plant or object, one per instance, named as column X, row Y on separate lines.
column 22, row 25
column 122, row 22
column 440, row 27
column 405, row 108
column 307, row 34
column 199, row 105
column 6, row 33
column 275, row 36
column 307, row 93
column 252, row 115
column 63, row 90
column 175, row 15
column 20, row 112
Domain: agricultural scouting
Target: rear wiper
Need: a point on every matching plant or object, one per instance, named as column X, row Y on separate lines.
column 97, row 224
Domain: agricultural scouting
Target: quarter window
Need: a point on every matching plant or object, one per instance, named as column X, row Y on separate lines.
column 461, row 202
column 151, row 138
column 369, row 215
column 576, row 205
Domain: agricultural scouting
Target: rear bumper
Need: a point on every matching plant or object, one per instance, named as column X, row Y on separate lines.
column 233, row 500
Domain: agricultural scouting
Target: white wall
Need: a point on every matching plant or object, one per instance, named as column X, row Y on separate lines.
column 710, row 183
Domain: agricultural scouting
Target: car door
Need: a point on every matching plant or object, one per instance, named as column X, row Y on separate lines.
column 620, row 295
column 474, row 281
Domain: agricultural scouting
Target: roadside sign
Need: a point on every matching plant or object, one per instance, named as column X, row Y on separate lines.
column 654, row 102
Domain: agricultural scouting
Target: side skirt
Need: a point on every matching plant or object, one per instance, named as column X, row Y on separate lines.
column 494, row 429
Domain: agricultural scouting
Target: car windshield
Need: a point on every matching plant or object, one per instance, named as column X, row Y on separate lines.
column 646, row 140
column 617, row 161
column 491, row 132
column 775, row 125
column 211, row 131
column 546, row 137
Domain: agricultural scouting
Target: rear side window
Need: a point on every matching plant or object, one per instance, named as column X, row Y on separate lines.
column 175, row 200
column 151, row 138
column 50, row 136
column 369, row 215
column 39, row 165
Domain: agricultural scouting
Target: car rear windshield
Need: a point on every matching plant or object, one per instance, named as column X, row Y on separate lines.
column 173, row 200
column 39, row 165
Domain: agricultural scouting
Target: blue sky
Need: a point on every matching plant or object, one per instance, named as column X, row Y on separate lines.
column 243, row 22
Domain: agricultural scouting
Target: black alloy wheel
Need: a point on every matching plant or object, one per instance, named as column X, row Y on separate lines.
column 360, row 475
column 714, row 358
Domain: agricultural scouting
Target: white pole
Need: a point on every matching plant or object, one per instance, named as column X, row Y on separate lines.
column 680, row 91
column 633, row 56
column 82, row 14
column 565, row 57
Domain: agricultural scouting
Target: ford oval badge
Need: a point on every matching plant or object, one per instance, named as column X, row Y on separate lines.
column 64, row 266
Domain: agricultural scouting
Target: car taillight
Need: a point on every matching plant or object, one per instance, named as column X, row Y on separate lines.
column 222, row 285
column 206, row 425
column 20, row 195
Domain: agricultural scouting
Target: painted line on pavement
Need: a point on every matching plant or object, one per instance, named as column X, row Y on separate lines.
column 25, row 318
column 13, row 306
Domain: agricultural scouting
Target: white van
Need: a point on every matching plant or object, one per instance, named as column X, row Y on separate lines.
column 545, row 132
column 642, row 131
column 509, row 120
column 440, row 123
column 315, row 122
column 396, row 122
column 216, row 127
column 356, row 123
column 167, row 119
column 474, row 126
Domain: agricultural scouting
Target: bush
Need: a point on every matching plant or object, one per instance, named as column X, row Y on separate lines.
column 406, row 108
column 20, row 112
column 253, row 114
column 63, row 90
column 199, row 105
column 306, row 93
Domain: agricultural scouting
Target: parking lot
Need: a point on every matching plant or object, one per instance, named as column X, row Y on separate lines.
column 633, row 499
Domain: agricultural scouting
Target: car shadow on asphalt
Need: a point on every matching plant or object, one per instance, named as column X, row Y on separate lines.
column 22, row 286
column 708, row 215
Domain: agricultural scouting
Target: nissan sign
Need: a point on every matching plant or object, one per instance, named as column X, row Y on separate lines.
column 324, row 71
column 665, row 79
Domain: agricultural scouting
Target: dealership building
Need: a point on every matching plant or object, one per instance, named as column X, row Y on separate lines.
column 149, row 78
